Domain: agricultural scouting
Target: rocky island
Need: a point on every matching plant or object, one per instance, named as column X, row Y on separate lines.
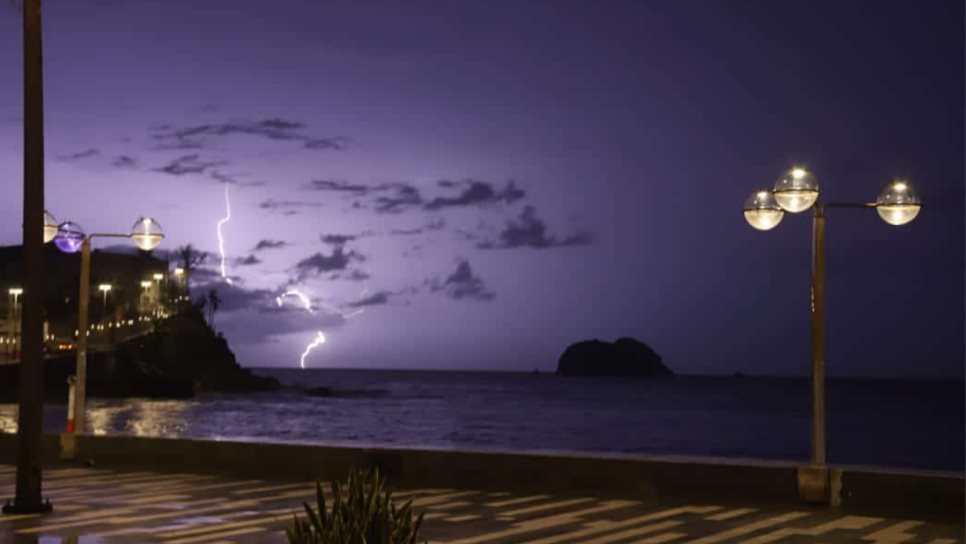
column 625, row 357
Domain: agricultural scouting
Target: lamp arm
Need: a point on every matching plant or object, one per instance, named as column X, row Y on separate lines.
column 868, row 205
column 108, row 235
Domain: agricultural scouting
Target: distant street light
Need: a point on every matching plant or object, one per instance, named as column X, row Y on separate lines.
column 15, row 292
column 146, row 234
column 105, row 288
column 145, row 297
column 796, row 191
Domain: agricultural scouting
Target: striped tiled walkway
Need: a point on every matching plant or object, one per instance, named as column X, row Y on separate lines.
column 98, row 506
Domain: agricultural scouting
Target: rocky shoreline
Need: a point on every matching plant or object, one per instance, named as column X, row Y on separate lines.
column 181, row 358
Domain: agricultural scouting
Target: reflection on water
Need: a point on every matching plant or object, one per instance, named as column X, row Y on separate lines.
column 899, row 424
column 142, row 418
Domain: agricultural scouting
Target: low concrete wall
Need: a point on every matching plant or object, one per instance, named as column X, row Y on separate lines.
column 920, row 495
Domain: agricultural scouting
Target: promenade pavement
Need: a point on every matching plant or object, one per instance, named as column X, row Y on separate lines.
column 101, row 506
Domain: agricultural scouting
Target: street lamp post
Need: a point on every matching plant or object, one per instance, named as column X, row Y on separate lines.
column 146, row 234
column 796, row 191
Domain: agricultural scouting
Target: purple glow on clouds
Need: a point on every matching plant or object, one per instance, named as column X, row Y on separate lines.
column 587, row 161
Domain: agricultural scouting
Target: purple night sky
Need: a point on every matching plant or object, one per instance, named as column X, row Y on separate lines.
column 476, row 185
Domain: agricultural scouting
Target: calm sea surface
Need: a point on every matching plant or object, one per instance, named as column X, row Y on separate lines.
column 886, row 423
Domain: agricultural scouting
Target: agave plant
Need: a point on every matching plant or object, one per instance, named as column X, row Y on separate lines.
column 364, row 514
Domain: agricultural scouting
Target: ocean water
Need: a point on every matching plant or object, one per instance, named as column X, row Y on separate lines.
column 911, row 424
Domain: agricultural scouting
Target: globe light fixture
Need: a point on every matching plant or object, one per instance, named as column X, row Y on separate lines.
column 146, row 233
column 70, row 237
column 762, row 210
column 105, row 287
column 146, row 284
column 50, row 227
column 796, row 190
column 898, row 203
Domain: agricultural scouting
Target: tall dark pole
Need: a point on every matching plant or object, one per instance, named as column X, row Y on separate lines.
column 80, row 394
column 813, row 480
column 818, row 337
column 30, row 418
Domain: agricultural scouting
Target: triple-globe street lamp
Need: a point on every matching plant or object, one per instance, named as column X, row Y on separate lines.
column 796, row 191
column 69, row 237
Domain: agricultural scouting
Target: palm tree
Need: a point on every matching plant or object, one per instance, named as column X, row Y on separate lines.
column 188, row 259
column 214, row 302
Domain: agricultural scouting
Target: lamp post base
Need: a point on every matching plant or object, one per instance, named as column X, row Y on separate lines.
column 813, row 484
column 14, row 508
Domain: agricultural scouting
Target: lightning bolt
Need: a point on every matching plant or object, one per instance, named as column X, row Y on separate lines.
column 221, row 238
column 306, row 302
column 319, row 340
column 303, row 298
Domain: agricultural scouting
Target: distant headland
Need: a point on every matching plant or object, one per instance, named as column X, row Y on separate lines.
column 625, row 357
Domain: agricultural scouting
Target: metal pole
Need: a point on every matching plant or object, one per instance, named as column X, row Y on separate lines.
column 17, row 317
column 80, row 395
column 818, row 337
column 30, row 419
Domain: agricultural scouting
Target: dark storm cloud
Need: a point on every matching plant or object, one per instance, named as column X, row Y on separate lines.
column 378, row 299
column 188, row 164
column 340, row 259
column 269, row 322
column 476, row 193
column 221, row 177
column 234, row 296
column 337, row 239
column 351, row 275
column 195, row 137
column 337, row 186
column 463, row 284
column 435, row 224
column 530, row 231
column 269, row 244
column 86, row 154
column 401, row 196
column 383, row 198
column 124, row 161
column 248, row 261
column 397, row 197
column 288, row 206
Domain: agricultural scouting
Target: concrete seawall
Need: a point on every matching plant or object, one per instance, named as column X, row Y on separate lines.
column 671, row 479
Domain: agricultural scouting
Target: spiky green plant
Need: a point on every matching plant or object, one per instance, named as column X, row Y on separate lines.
column 364, row 514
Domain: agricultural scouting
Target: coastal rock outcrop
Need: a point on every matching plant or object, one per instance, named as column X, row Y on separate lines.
column 186, row 349
column 625, row 357
column 181, row 358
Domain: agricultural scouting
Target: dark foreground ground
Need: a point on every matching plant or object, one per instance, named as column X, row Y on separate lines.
column 98, row 506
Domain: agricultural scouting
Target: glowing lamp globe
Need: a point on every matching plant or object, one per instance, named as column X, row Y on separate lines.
column 762, row 210
column 146, row 233
column 898, row 203
column 796, row 190
column 69, row 237
column 50, row 227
